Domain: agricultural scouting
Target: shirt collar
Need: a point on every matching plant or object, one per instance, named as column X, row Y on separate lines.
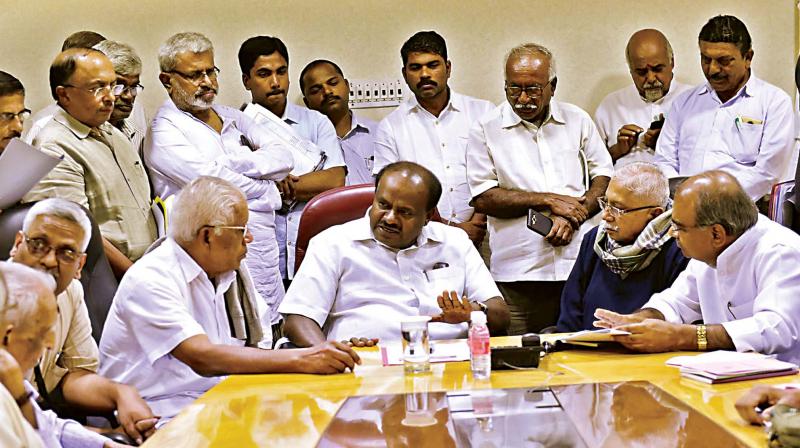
column 751, row 88
column 76, row 127
column 509, row 118
column 456, row 103
column 291, row 114
column 355, row 126
column 739, row 250
column 226, row 121
column 429, row 233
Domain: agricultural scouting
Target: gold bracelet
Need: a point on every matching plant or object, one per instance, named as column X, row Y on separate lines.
column 702, row 341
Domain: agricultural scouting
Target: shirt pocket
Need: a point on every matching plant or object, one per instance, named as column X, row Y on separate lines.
column 745, row 150
column 445, row 279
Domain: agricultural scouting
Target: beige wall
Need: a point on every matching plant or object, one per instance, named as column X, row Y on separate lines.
column 588, row 37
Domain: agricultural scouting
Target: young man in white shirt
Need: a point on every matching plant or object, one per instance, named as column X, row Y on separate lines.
column 535, row 153
column 431, row 128
column 629, row 120
column 735, row 122
column 361, row 278
column 743, row 281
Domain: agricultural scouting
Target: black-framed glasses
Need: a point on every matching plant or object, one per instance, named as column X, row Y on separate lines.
column 197, row 76
column 39, row 247
column 133, row 90
column 100, row 91
column 8, row 117
column 531, row 91
column 616, row 211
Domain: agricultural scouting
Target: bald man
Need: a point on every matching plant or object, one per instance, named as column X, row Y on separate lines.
column 629, row 120
column 99, row 169
column 743, row 281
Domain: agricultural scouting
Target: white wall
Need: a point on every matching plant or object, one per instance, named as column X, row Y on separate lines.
column 588, row 37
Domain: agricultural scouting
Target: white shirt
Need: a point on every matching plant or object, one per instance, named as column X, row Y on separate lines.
column 754, row 292
column 561, row 156
column 15, row 431
column 437, row 143
column 358, row 148
column 626, row 106
column 180, row 148
column 163, row 300
column 58, row 432
column 354, row 286
column 750, row 136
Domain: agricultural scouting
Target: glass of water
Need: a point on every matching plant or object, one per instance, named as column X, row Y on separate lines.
column 416, row 344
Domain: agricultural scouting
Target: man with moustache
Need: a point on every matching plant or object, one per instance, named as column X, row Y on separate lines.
column 53, row 239
column 192, row 137
column 533, row 152
column 326, row 90
column 629, row 119
column 431, row 129
column 12, row 108
column 735, row 122
column 99, row 169
column 264, row 62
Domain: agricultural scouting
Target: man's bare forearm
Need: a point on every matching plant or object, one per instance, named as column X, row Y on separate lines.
column 89, row 391
column 597, row 189
column 118, row 261
column 508, row 204
column 649, row 313
column 302, row 331
column 314, row 183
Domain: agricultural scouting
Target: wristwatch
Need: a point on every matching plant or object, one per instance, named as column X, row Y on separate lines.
column 702, row 341
column 482, row 306
column 25, row 398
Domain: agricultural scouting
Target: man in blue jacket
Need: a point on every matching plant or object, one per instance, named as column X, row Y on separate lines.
column 627, row 258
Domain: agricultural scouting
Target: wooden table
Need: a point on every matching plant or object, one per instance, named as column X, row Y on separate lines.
column 293, row 410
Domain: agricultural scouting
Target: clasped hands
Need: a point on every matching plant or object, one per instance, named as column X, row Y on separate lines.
column 568, row 213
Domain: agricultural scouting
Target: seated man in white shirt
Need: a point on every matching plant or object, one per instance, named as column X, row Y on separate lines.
column 168, row 330
column 27, row 315
column 629, row 120
column 12, row 109
column 735, row 122
column 361, row 278
column 743, row 281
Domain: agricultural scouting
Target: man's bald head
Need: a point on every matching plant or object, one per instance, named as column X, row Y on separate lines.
column 650, row 61
column 719, row 199
column 64, row 65
column 417, row 174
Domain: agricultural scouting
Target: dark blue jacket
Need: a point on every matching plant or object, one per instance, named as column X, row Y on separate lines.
column 592, row 285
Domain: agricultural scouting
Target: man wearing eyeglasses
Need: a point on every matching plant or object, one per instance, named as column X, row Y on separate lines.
column 12, row 108
column 743, row 282
column 128, row 67
column 53, row 239
column 630, row 256
column 99, row 169
column 532, row 152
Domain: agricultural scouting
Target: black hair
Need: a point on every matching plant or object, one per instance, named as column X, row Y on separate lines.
column 9, row 85
column 430, row 179
column 314, row 64
column 727, row 29
column 424, row 42
column 82, row 39
column 258, row 46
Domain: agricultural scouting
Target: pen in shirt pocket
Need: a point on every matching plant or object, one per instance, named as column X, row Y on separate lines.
column 439, row 265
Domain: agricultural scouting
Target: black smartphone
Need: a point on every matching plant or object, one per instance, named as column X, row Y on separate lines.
column 657, row 124
column 539, row 223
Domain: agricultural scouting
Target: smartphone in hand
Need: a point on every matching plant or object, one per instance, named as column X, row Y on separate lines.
column 657, row 123
column 539, row 222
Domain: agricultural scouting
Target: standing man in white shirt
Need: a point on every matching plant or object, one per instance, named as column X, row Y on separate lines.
column 743, row 281
column 630, row 119
column 191, row 137
column 431, row 128
column 326, row 90
column 264, row 61
column 735, row 122
column 533, row 152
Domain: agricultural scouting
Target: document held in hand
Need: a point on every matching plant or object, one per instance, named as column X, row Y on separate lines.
column 21, row 167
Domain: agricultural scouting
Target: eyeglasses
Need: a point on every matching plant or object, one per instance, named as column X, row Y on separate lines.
column 40, row 248
column 617, row 212
column 101, row 91
column 8, row 117
column 131, row 90
column 242, row 228
column 531, row 91
column 198, row 76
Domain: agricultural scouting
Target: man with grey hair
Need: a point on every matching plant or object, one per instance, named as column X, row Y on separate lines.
column 630, row 119
column 99, row 170
column 169, row 330
column 126, row 116
column 190, row 137
column 53, row 239
column 743, row 282
column 630, row 256
column 532, row 152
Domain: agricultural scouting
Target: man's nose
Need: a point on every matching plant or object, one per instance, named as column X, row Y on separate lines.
column 49, row 260
column 607, row 216
column 650, row 77
column 274, row 81
column 248, row 237
column 713, row 68
column 16, row 124
column 390, row 216
column 328, row 90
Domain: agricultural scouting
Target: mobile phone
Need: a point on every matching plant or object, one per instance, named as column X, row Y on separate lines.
column 658, row 123
column 539, row 223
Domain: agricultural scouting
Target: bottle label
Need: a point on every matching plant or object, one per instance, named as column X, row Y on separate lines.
column 479, row 346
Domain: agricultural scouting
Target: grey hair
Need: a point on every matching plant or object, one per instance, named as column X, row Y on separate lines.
column 124, row 59
column 180, row 43
column 205, row 201
column 531, row 49
column 644, row 180
column 731, row 208
column 60, row 208
column 21, row 286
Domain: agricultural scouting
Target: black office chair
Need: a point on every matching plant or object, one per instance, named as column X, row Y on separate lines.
column 97, row 278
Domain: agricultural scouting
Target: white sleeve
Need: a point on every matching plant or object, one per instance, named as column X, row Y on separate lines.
column 314, row 286
column 481, row 172
column 479, row 285
column 666, row 155
column 680, row 303
column 598, row 158
column 385, row 147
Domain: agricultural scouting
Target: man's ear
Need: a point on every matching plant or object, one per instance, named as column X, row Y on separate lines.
column 61, row 94
column 17, row 241
column 655, row 212
column 6, row 333
column 719, row 237
column 245, row 80
column 429, row 215
column 448, row 66
column 164, row 79
column 553, row 85
column 82, row 262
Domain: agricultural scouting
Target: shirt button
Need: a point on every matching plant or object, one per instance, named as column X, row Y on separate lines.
column 443, row 145
column 451, row 188
column 436, row 122
column 453, row 215
column 447, row 167
column 289, row 218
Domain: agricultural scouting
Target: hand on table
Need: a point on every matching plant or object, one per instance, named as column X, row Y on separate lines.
column 361, row 342
column 326, row 357
column 764, row 397
column 454, row 311
column 134, row 415
column 651, row 336
column 610, row 319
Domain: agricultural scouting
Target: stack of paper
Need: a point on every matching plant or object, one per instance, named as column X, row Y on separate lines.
column 21, row 167
column 441, row 351
column 726, row 366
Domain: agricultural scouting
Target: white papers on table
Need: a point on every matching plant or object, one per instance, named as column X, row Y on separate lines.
column 441, row 351
column 21, row 167
column 724, row 366
column 603, row 335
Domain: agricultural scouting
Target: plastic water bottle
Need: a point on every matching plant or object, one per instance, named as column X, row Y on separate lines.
column 479, row 349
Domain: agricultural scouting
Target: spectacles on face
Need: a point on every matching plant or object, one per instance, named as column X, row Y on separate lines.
column 133, row 90
column 101, row 91
column 39, row 248
column 532, row 91
column 197, row 77
column 242, row 228
column 616, row 211
column 8, row 117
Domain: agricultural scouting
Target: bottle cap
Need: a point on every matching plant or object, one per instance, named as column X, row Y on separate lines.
column 477, row 317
